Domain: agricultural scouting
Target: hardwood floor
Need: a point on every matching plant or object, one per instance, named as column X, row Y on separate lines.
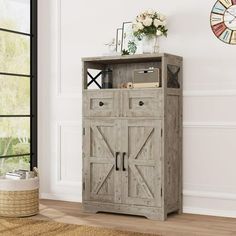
column 176, row 225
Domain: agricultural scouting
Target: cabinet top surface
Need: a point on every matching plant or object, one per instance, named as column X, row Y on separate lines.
column 128, row 58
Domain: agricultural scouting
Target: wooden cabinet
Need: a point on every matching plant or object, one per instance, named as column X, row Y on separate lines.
column 101, row 104
column 142, row 103
column 132, row 143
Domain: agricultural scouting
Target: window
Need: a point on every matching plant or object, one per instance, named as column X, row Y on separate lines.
column 18, row 85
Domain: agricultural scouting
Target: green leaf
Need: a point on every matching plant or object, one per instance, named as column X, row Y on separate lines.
column 125, row 52
column 132, row 47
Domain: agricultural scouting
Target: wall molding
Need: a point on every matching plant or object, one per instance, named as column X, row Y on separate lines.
column 58, row 46
column 205, row 197
column 60, row 93
column 69, row 184
column 60, row 125
column 210, row 125
column 60, row 197
column 209, row 212
column 210, row 195
column 210, row 93
column 186, row 194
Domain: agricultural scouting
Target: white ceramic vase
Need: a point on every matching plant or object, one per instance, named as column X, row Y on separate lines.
column 150, row 44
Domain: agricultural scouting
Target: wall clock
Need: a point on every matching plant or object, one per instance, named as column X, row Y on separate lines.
column 223, row 20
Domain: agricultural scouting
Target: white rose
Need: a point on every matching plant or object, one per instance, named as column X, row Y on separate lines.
column 151, row 12
column 164, row 23
column 147, row 21
column 157, row 22
column 158, row 33
column 135, row 27
column 162, row 17
column 140, row 18
column 140, row 26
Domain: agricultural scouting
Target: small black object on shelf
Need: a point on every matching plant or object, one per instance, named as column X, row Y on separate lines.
column 107, row 79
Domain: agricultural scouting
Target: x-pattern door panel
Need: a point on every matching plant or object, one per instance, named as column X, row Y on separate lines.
column 100, row 145
column 142, row 177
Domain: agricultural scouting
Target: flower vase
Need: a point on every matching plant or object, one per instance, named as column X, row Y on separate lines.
column 150, row 44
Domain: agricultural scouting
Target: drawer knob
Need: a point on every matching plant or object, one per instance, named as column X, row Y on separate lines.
column 141, row 103
column 101, row 104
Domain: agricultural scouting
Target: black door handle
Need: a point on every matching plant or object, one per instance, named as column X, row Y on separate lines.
column 123, row 161
column 117, row 154
column 101, row 104
column 141, row 103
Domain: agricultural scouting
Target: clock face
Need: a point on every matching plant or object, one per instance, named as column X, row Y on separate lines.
column 223, row 20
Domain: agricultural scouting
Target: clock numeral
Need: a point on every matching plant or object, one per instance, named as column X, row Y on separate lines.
column 216, row 19
column 226, row 3
column 219, row 29
column 226, row 35
column 219, row 8
column 233, row 38
column 234, row 2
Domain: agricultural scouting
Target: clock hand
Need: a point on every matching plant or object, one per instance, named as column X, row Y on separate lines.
column 230, row 13
column 232, row 20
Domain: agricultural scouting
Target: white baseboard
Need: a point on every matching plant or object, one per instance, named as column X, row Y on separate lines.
column 208, row 196
column 209, row 212
column 210, row 203
column 60, row 197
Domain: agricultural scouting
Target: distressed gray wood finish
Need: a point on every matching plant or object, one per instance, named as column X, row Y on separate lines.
column 99, row 151
column 151, row 102
column 123, row 73
column 142, row 176
column 101, row 104
column 149, row 136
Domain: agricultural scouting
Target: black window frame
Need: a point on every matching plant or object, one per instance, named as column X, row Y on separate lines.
column 33, row 84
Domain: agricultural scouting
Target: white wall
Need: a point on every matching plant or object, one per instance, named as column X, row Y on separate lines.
column 71, row 29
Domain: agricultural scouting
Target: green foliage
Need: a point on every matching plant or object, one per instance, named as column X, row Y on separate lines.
column 132, row 47
column 149, row 23
column 125, row 52
column 21, row 148
column 15, row 163
column 14, row 148
column 150, row 31
column 14, row 98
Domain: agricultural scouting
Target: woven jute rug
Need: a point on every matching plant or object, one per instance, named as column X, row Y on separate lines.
column 29, row 227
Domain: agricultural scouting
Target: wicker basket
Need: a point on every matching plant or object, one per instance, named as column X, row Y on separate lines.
column 19, row 198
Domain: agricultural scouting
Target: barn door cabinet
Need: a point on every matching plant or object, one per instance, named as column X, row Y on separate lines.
column 132, row 138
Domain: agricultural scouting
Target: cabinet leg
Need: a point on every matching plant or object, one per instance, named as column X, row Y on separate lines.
column 180, row 211
column 156, row 217
column 89, row 210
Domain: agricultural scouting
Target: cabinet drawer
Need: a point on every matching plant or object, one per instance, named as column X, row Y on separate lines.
column 101, row 104
column 143, row 103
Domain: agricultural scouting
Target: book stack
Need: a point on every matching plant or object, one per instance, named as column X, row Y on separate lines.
column 12, row 175
column 20, row 174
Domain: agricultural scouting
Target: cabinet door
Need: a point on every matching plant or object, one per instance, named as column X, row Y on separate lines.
column 142, row 103
column 100, row 176
column 101, row 103
column 141, row 180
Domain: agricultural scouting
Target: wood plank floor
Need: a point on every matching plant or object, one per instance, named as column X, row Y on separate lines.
column 176, row 225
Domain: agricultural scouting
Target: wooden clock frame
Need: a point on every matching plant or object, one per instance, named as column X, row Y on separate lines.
column 218, row 22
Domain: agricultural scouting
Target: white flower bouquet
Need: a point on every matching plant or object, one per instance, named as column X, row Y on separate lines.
column 149, row 23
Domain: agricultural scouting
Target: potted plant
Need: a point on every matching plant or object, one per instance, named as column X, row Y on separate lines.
column 148, row 27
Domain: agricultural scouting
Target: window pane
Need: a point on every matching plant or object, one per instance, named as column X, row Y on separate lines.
column 15, row 15
column 14, row 53
column 15, row 163
column 14, row 136
column 14, row 95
